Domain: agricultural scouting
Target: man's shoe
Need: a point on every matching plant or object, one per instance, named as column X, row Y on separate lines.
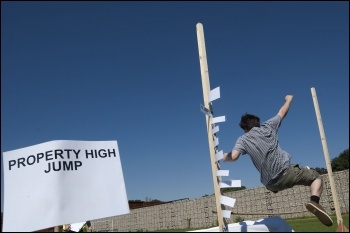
column 319, row 212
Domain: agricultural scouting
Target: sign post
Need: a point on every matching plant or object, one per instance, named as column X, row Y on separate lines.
column 211, row 138
column 341, row 227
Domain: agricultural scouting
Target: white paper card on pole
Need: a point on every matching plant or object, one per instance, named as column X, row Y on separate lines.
column 216, row 141
column 215, row 129
column 219, row 155
column 225, row 184
column 226, row 213
column 236, row 183
column 230, row 184
column 214, row 94
column 227, row 201
column 222, row 172
column 61, row 182
column 218, row 119
column 205, row 110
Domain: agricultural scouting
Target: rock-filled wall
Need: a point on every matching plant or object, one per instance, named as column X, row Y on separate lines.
column 251, row 204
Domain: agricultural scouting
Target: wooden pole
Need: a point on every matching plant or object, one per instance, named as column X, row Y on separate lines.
column 326, row 156
column 215, row 166
column 263, row 213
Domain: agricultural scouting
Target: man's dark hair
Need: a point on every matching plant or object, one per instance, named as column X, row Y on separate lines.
column 248, row 121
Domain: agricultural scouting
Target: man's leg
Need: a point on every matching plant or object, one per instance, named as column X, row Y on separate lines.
column 316, row 187
column 314, row 207
column 295, row 175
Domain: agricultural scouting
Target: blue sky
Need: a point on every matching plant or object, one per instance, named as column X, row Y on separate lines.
column 129, row 71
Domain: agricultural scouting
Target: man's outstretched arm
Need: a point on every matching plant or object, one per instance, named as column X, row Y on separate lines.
column 231, row 156
column 285, row 108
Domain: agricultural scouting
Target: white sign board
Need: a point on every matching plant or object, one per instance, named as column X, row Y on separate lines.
column 62, row 182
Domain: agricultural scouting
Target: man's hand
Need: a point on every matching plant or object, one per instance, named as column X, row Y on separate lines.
column 225, row 157
column 231, row 156
column 285, row 108
column 289, row 98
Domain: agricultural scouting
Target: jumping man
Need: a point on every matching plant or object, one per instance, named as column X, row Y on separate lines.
column 273, row 163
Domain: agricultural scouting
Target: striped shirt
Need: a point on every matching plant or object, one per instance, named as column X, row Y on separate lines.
column 261, row 143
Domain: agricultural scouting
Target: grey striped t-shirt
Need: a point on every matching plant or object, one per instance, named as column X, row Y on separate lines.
column 261, row 143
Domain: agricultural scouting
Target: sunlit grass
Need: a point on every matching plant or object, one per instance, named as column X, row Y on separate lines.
column 304, row 224
column 312, row 224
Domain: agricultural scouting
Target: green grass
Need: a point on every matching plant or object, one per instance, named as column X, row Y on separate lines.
column 312, row 224
column 305, row 224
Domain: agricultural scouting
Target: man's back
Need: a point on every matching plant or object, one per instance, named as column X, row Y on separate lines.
column 261, row 143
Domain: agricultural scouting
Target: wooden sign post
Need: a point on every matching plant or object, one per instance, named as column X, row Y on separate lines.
column 206, row 89
column 341, row 227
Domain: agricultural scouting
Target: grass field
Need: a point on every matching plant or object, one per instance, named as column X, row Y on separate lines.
column 305, row 224
column 312, row 224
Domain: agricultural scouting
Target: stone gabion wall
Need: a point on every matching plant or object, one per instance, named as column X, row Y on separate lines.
column 251, row 204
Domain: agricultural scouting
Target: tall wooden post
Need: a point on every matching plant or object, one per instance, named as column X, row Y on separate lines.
column 326, row 156
column 206, row 89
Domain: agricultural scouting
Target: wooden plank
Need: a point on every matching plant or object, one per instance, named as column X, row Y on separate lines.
column 326, row 156
column 206, row 89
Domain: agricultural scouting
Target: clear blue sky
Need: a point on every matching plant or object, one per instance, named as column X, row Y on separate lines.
column 129, row 71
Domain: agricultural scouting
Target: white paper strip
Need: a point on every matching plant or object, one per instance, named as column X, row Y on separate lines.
column 225, row 184
column 230, row 184
column 218, row 119
column 236, row 183
column 216, row 141
column 205, row 110
column 214, row 94
column 222, row 172
column 219, row 155
column 216, row 129
column 226, row 213
column 227, row 201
